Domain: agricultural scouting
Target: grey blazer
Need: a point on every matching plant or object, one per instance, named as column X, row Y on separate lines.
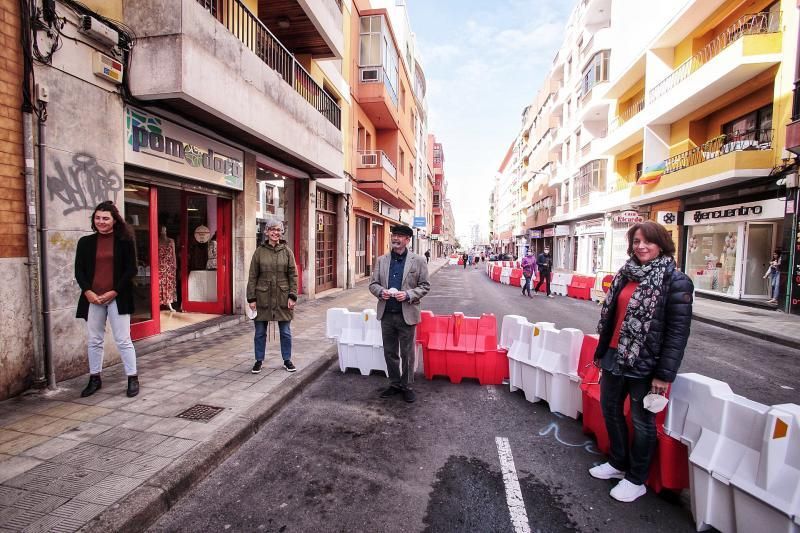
column 415, row 283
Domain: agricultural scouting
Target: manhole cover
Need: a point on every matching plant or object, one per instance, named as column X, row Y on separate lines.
column 201, row 413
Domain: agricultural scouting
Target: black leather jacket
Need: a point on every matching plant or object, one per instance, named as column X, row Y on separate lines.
column 666, row 340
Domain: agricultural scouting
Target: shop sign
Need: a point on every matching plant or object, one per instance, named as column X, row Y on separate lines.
column 536, row 234
column 667, row 218
column 795, row 273
column 320, row 222
column 549, row 232
column 562, row 231
column 158, row 144
column 389, row 211
column 591, row 226
column 202, row 234
column 765, row 209
column 627, row 217
column 434, row 236
column 419, row 222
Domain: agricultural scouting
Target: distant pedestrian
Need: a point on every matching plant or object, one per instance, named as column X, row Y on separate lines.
column 483, row 257
column 105, row 265
column 399, row 281
column 475, row 260
column 465, row 260
column 774, row 274
column 528, row 272
column 644, row 326
column 272, row 292
column 545, row 264
column 427, row 256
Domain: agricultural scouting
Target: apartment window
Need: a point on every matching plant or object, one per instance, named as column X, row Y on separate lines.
column 592, row 177
column 436, row 199
column 402, row 159
column 371, row 35
column 411, row 173
column 402, row 96
column 595, row 72
column 756, row 125
column 361, row 142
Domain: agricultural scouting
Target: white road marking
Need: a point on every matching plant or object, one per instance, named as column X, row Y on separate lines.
column 787, row 387
column 516, row 505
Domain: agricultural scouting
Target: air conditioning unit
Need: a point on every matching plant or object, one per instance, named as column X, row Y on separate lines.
column 369, row 75
column 369, row 160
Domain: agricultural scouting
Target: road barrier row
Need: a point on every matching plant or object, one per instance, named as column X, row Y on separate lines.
column 561, row 283
column 739, row 458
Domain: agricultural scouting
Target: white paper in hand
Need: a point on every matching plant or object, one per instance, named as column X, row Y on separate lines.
column 251, row 314
column 655, row 403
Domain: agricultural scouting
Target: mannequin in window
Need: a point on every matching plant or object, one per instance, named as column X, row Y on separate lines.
column 211, row 264
column 167, row 266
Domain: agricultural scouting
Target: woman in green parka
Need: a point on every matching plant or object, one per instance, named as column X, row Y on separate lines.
column 272, row 292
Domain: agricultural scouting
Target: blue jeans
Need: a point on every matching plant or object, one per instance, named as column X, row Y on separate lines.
column 526, row 288
column 260, row 339
column 775, row 284
column 635, row 459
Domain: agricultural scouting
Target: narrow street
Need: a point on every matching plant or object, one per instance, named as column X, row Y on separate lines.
column 338, row 458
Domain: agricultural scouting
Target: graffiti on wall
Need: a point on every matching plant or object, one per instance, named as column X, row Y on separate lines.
column 83, row 184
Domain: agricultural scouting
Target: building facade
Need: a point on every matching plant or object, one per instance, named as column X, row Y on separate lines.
column 679, row 122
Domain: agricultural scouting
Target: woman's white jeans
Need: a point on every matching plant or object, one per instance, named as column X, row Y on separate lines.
column 120, row 327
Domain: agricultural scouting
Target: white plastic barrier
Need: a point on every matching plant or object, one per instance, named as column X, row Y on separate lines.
column 453, row 260
column 771, row 475
column 361, row 344
column 559, row 283
column 543, row 362
column 335, row 321
column 727, row 435
column 505, row 275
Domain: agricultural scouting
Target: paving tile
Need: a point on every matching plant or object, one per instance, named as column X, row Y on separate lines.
column 109, row 490
column 54, row 524
column 50, row 448
column 211, row 372
column 115, row 418
column 16, row 465
column 85, row 431
column 197, row 431
column 145, row 466
column 87, row 414
column 94, row 399
column 57, row 428
column 180, row 386
column 9, row 495
column 56, row 479
column 79, row 509
column 22, row 443
column 32, row 422
column 95, row 457
column 8, row 418
column 168, row 426
column 17, row 519
column 8, row 434
column 57, row 409
column 140, row 422
column 38, row 501
column 173, row 447
column 128, row 439
column 116, row 401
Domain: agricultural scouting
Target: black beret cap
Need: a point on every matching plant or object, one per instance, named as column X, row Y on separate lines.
column 402, row 229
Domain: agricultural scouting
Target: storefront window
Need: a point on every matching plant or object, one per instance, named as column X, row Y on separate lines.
column 137, row 214
column 598, row 250
column 201, row 212
column 711, row 257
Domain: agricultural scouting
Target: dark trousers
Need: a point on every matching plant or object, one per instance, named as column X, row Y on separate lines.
column 634, row 459
column 398, row 349
column 527, row 287
column 544, row 277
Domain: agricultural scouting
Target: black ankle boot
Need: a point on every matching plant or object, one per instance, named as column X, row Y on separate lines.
column 94, row 385
column 133, row 386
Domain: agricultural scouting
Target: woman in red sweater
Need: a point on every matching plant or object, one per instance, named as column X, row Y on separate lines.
column 105, row 265
column 644, row 327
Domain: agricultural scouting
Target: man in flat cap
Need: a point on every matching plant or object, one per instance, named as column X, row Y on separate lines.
column 399, row 281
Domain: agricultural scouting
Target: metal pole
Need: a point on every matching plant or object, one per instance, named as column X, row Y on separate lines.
column 48, row 345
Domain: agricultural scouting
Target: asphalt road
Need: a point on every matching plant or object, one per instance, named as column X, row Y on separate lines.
column 753, row 368
column 338, row 458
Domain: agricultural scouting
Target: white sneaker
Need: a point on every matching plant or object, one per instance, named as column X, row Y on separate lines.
column 550, row 296
column 625, row 491
column 606, row 471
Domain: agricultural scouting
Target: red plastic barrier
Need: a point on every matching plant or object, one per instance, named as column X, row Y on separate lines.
column 581, row 287
column 462, row 347
column 496, row 271
column 516, row 276
column 670, row 466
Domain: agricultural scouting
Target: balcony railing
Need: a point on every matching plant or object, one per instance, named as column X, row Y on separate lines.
column 242, row 23
column 796, row 101
column 751, row 24
column 378, row 74
column 626, row 182
column 629, row 112
column 375, row 158
column 719, row 146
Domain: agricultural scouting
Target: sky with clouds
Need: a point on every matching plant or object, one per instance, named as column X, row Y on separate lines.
column 484, row 61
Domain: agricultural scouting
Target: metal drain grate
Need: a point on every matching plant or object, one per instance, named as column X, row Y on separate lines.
column 201, row 413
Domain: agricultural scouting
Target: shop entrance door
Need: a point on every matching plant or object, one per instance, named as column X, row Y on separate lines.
column 377, row 243
column 141, row 212
column 205, row 253
column 758, row 245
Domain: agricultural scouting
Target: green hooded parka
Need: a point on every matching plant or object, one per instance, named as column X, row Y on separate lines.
column 272, row 282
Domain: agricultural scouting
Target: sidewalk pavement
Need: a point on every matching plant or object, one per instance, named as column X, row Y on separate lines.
column 113, row 463
column 767, row 324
